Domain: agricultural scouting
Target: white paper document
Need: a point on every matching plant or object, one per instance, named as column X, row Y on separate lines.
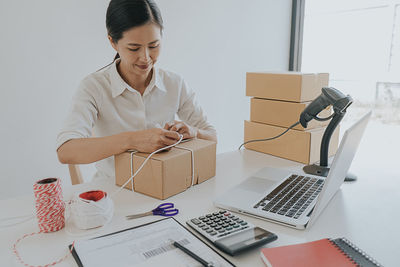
column 147, row 245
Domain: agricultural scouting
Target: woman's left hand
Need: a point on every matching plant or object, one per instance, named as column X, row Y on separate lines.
column 182, row 128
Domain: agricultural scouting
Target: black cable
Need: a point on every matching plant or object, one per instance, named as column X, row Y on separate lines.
column 323, row 119
column 268, row 139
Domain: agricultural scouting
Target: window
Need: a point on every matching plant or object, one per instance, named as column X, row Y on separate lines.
column 358, row 43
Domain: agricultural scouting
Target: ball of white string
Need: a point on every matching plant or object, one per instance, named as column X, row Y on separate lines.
column 88, row 214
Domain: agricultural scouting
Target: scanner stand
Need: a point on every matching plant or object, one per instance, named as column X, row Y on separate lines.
column 323, row 169
column 315, row 169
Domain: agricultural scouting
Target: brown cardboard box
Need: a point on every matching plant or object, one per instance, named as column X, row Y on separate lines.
column 204, row 153
column 167, row 173
column 301, row 146
column 283, row 113
column 288, row 86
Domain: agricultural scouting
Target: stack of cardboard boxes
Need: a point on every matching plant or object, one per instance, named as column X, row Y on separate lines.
column 277, row 102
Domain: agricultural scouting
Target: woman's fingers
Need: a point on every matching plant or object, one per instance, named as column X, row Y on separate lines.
column 174, row 136
column 182, row 130
column 169, row 125
column 177, row 127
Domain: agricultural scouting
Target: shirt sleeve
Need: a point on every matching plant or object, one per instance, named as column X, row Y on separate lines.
column 81, row 117
column 190, row 111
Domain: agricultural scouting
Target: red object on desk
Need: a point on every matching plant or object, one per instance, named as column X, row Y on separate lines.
column 311, row 254
column 95, row 195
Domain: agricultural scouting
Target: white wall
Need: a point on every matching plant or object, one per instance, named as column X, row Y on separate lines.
column 48, row 46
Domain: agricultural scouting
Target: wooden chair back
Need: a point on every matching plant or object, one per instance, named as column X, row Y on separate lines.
column 75, row 174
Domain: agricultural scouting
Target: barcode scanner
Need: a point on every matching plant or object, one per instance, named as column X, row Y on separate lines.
column 340, row 103
column 329, row 96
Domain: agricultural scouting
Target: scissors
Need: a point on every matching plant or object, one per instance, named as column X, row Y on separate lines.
column 165, row 209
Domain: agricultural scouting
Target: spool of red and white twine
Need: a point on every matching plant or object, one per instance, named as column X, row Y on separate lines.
column 50, row 209
column 49, row 204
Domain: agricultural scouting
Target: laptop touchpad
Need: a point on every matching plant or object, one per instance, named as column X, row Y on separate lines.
column 258, row 185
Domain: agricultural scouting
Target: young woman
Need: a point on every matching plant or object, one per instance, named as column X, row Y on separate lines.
column 130, row 104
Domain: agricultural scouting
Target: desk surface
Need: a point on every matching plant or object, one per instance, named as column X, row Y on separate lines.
column 364, row 212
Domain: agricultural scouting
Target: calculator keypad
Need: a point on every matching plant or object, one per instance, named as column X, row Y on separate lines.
column 219, row 224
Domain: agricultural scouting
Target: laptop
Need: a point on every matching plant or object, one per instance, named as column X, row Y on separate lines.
column 290, row 199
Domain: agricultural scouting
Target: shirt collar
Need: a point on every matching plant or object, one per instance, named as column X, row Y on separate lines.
column 155, row 83
column 118, row 85
column 158, row 82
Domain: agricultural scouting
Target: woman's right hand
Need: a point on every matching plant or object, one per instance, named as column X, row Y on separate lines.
column 150, row 140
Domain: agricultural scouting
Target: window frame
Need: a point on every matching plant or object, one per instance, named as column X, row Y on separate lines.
column 296, row 35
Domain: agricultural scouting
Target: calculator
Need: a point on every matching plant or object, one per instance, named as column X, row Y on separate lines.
column 229, row 232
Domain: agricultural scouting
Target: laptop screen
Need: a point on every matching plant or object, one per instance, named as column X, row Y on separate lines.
column 341, row 164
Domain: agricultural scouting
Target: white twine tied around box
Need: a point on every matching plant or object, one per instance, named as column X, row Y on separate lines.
column 192, row 156
column 133, row 175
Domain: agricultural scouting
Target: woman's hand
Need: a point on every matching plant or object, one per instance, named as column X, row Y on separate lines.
column 152, row 139
column 182, row 128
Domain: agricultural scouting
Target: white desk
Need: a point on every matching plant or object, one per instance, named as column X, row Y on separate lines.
column 357, row 212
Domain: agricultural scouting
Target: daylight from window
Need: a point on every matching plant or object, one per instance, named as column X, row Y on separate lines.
column 358, row 43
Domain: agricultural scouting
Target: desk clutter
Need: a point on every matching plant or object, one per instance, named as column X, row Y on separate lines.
column 88, row 210
column 278, row 98
column 170, row 172
column 161, row 243
column 325, row 252
column 166, row 242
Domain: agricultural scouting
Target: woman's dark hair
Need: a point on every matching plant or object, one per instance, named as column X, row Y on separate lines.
column 123, row 15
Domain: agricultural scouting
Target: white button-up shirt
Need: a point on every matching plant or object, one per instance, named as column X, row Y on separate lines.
column 105, row 104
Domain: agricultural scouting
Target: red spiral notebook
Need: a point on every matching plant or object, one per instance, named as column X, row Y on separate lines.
column 325, row 252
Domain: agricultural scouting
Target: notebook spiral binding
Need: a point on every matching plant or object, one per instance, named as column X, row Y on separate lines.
column 342, row 251
column 337, row 244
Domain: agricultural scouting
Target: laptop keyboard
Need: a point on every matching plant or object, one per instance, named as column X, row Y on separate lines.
column 292, row 197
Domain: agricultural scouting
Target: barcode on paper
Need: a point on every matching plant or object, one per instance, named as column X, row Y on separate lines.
column 163, row 249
